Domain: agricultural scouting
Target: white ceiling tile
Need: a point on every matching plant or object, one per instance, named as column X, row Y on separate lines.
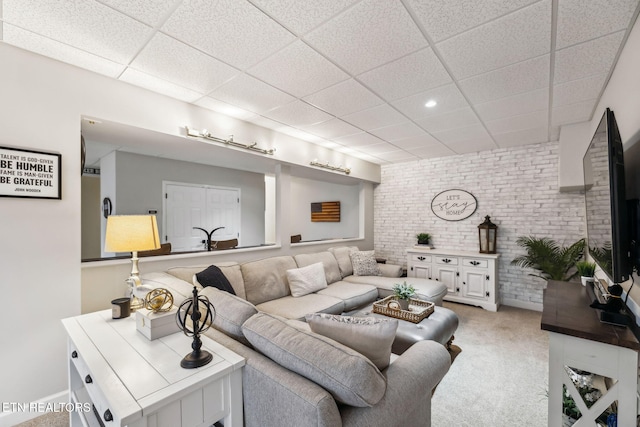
column 359, row 38
column 521, row 137
column 298, row 70
column 443, row 19
column 475, row 133
column 88, row 25
column 376, row 117
column 227, row 109
column 399, row 131
column 344, row 98
column 333, row 128
column 521, row 103
column 454, row 119
column 405, row 76
column 149, row 12
column 368, row 158
column 60, row 51
column 448, row 98
column 359, row 139
column 537, row 119
column 587, row 59
column 235, row 32
column 416, row 142
column 471, row 146
column 432, row 152
column 580, row 20
column 297, row 133
column 513, row 38
column 301, row 16
column 376, row 149
column 297, row 114
column 251, row 94
column 158, row 85
column 174, row 61
column 399, row 156
column 523, row 77
column 573, row 113
column 578, row 90
column 265, row 122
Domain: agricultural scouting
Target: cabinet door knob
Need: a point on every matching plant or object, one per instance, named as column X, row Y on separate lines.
column 74, row 354
column 108, row 416
column 421, row 258
column 88, row 379
column 446, row 260
column 457, row 289
column 474, row 263
column 487, row 294
column 487, row 277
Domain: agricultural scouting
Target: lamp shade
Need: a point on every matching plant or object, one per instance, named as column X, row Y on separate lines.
column 129, row 233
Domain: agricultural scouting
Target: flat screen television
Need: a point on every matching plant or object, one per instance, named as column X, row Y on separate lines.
column 608, row 233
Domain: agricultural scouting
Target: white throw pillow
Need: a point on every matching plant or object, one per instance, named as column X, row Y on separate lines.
column 364, row 263
column 305, row 280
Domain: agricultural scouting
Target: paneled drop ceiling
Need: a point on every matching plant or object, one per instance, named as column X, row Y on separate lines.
column 351, row 75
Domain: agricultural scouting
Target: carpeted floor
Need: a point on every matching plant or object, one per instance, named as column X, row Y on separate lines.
column 500, row 378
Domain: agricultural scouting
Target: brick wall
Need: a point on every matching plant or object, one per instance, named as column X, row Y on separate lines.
column 517, row 187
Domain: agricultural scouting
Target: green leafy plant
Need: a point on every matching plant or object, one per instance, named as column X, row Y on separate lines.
column 404, row 290
column 423, row 238
column 586, row 268
column 553, row 262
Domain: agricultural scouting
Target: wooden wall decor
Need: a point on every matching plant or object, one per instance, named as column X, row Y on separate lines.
column 325, row 212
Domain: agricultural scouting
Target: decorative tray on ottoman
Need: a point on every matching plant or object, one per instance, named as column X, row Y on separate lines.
column 418, row 309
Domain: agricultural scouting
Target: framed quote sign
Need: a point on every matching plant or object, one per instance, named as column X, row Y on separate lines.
column 454, row 205
column 28, row 173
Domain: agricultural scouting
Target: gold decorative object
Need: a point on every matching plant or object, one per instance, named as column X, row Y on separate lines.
column 158, row 300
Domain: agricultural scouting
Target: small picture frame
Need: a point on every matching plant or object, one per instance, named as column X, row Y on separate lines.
column 30, row 174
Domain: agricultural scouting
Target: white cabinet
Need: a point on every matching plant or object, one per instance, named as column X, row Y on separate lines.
column 470, row 277
column 117, row 377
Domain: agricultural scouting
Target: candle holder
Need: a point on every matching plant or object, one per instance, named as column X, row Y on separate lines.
column 200, row 322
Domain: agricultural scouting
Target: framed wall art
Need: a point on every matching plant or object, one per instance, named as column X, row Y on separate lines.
column 30, row 174
column 454, row 205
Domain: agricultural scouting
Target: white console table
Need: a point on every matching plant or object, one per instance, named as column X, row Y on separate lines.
column 132, row 381
column 577, row 339
column 470, row 277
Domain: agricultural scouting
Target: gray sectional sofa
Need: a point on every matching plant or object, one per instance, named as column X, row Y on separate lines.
column 294, row 376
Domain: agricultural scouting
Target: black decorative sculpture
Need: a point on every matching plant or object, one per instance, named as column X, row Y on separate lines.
column 200, row 323
column 209, row 234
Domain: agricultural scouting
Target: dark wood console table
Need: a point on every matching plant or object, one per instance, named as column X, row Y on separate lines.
column 579, row 340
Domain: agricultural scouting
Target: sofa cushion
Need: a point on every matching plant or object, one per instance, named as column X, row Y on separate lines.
column 370, row 336
column 180, row 290
column 305, row 280
column 354, row 295
column 331, row 268
column 266, row 279
column 426, row 289
column 364, row 263
column 212, row 276
column 350, row 377
column 231, row 271
column 231, row 312
column 297, row 307
column 343, row 258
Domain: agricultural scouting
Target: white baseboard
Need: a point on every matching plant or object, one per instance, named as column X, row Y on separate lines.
column 528, row 305
column 16, row 416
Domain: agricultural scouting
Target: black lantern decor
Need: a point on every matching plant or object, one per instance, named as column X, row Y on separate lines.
column 488, row 233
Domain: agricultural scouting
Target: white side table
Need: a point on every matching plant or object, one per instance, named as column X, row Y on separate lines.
column 131, row 381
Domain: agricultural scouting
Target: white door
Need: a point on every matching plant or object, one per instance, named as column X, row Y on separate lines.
column 189, row 208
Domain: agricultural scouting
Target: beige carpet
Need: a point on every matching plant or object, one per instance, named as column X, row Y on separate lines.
column 500, row 378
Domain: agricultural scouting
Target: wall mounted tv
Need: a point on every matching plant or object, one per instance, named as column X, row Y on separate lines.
column 608, row 237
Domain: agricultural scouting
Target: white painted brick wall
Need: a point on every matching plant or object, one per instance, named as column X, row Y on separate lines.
column 517, row 187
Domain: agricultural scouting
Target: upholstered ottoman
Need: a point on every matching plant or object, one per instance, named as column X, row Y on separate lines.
column 439, row 326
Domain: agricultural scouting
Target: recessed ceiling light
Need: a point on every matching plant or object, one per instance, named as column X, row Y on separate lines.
column 431, row 103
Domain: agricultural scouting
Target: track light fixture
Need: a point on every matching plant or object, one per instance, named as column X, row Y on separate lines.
column 206, row 135
column 326, row 165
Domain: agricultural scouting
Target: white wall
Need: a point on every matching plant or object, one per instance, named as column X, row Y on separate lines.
column 41, row 107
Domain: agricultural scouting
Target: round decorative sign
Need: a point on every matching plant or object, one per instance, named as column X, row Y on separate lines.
column 454, row 205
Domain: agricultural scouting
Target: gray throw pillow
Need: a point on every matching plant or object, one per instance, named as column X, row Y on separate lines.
column 231, row 312
column 306, row 280
column 364, row 263
column 350, row 377
column 370, row 336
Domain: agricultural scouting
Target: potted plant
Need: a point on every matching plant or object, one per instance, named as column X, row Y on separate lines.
column 553, row 262
column 423, row 238
column 586, row 270
column 403, row 292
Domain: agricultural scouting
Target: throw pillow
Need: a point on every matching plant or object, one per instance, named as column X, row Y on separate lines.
column 364, row 263
column 370, row 336
column 305, row 280
column 213, row 276
column 350, row 377
column 231, row 312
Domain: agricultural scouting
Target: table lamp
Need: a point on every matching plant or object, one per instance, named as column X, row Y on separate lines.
column 132, row 233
